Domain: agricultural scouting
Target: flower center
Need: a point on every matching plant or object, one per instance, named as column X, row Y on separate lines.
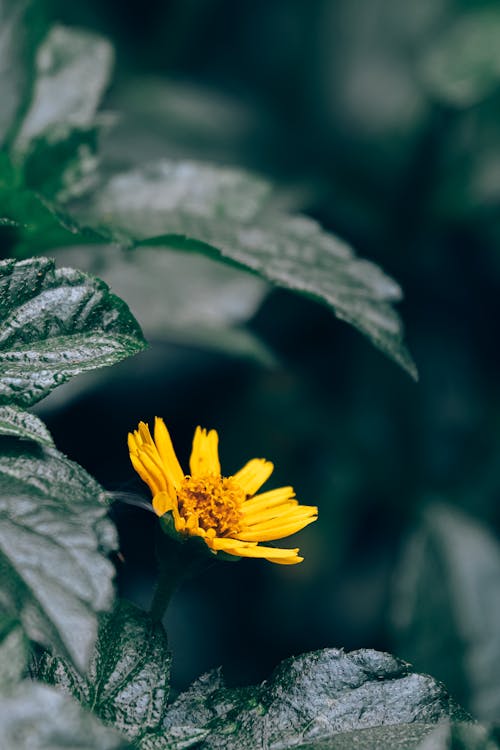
column 211, row 502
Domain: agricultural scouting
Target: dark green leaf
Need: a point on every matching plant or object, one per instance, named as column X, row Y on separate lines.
column 72, row 71
column 55, row 324
column 190, row 299
column 460, row 736
column 36, row 224
column 53, row 540
column 463, row 64
column 19, row 29
column 225, row 214
column 13, row 651
column 444, row 736
column 451, row 627
column 64, row 168
column 127, row 681
column 313, row 698
column 18, row 423
column 37, row 717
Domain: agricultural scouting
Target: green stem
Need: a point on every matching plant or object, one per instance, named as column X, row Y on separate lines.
column 176, row 562
column 168, row 580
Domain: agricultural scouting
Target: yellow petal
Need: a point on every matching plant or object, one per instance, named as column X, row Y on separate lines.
column 205, row 454
column 278, row 531
column 264, row 516
column 147, row 472
column 166, row 451
column 281, row 514
column 143, row 434
column 162, row 503
column 253, row 475
column 268, row 500
column 249, row 549
column 286, row 560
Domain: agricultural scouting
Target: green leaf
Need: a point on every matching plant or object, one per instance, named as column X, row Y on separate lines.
column 445, row 736
column 73, row 68
column 127, row 681
column 55, row 324
column 190, row 299
column 460, row 736
column 53, row 540
column 313, row 698
column 20, row 26
column 65, row 168
column 226, row 214
column 452, row 628
column 36, row 224
column 13, row 651
column 462, row 66
column 18, row 423
column 37, row 717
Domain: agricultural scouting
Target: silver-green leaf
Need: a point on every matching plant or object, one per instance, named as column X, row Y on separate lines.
column 54, row 541
column 54, row 324
column 14, row 651
column 462, row 65
column 127, row 681
column 227, row 214
column 38, row 717
column 452, row 627
column 318, row 697
column 16, row 33
column 16, row 422
column 72, row 71
column 190, row 299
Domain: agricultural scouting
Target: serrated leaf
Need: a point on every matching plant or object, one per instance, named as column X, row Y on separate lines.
column 462, row 66
column 15, row 422
column 313, row 698
column 225, row 214
column 190, row 299
column 72, row 71
column 452, row 628
column 54, row 537
column 37, row 717
column 54, row 324
column 13, row 651
column 127, row 681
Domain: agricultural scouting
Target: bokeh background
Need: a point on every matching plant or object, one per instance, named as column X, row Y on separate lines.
column 379, row 118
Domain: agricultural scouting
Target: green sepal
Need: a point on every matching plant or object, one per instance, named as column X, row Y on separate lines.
column 196, row 545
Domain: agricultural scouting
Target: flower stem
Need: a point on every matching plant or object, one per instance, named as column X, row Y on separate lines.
column 166, row 584
column 176, row 562
column 170, row 573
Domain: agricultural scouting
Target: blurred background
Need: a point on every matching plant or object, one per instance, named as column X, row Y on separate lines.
column 380, row 119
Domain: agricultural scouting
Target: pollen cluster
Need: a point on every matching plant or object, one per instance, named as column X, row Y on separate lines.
column 211, row 502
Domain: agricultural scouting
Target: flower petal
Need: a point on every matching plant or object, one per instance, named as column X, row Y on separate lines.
column 266, row 500
column 166, row 451
column 162, row 503
column 286, row 513
column 279, row 530
column 253, row 475
column 249, row 549
column 148, row 472
column 205, row 453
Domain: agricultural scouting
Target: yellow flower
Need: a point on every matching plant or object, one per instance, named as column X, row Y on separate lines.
column 225, row 512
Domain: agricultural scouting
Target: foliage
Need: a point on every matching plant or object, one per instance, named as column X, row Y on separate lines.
column 201, row 207
column 308, row 699
column 196, row 249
